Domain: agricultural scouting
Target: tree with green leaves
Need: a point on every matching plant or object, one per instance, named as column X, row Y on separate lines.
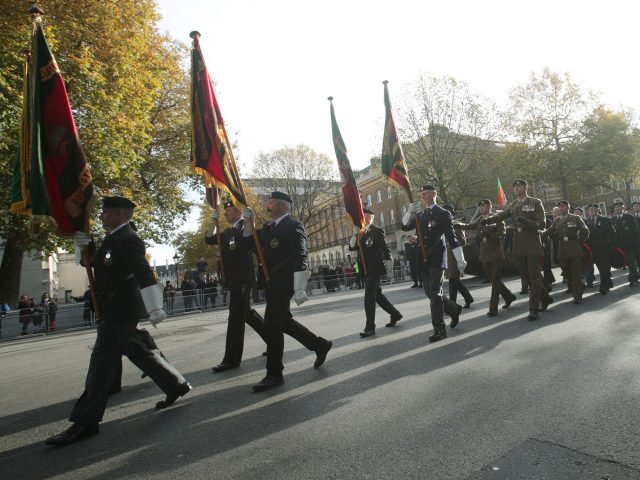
column 129, row 92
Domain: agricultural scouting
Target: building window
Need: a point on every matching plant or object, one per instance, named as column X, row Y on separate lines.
column 392, row 216
column 388, row 191
column 378, row 196
column 368, row 199
column 381, row 219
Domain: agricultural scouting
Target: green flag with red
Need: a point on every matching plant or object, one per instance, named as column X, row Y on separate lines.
column 502, row 198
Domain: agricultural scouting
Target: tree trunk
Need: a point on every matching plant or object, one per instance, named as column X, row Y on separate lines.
column 10, row 270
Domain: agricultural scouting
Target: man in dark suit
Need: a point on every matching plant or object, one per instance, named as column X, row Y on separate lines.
column 372, row 252
column 627, row 232
column 601, row 238
column 127, row 291
column 240, row 277
column 284, row 243
column 436, row 225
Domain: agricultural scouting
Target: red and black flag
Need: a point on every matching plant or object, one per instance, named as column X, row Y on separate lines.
column 51, row 179
column 352, row 201
column 393, row 163
column 211, row 154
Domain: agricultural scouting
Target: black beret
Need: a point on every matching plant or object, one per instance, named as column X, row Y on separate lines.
column 562, row 202
column 368, row 210
column 520, row 181
column 484, row 201
column 449, row 208
column 117, row 202
column 280, row 196
column 579, row 208
column 618, row 202
column 428, row 188
column 595, row 205
column 228, row 204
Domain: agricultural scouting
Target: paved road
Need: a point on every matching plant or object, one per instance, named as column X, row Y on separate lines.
column 500, row 398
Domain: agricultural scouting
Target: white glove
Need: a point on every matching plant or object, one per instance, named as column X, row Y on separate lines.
column 81, row 239
column 215, row 215
column 152, row 298
column 406, row 220
column 413, row 208
column 356, row 230
column 459, row 255
column 300, row 280
column 300, row 297
column 247, row 213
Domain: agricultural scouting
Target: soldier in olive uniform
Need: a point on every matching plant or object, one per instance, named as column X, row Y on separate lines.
column 453, row 272
column 436, row 227
column 284, row 243
column 240, row 277
column 492, row 256
column 627, row 232
column 371, row 243
column 571, row 232
column 528, row 218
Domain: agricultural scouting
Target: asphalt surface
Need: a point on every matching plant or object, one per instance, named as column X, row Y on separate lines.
column 500, row 398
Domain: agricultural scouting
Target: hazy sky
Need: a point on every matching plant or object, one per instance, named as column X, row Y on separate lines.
column 275, row 62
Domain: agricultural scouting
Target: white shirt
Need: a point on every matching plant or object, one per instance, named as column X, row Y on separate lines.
column 277, row 220
column 117, row 228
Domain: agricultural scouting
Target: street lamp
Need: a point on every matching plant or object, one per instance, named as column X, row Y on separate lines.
column 175, row 263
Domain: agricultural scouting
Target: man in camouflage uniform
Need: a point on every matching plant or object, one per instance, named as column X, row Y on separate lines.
column 527, row 214
column 571, row 232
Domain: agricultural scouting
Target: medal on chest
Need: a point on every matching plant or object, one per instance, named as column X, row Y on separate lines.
column 108, row 260
column 274, row 243
column 232, row 243
column 369, row 242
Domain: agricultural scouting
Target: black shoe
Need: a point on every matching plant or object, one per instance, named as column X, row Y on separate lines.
column 524, row 292
column 267, row 383
column 589, row 285
column 491, row 314
column 567, row 291
column 508, row 303
column 114, row 390
column 468, row 303
column 544, row 306
column 415, row 285
column 455, row 318
column 577, row 301
column 321, row 352
column 170, row 400
column 73, row 434
column 532, row 316
column 264, row 354
column 221, row 367
column 603, row 291
column 437, row 336
column 367, row 332
column 633, row 284
column 610, row 283
column 394, row 319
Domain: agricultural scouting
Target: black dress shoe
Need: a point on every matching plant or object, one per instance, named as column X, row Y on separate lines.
column 508, row 303
column 491, row 314
column 455, row 318
column 221, row 367
column 437, row 336
column 532, row 316
column 264, row 354
column 415, row 285
column 468, row 304
column 544, row 306
column 524, row 292
column 567, row 291
column 268, row 382
column 73, row 434
column 321, row 352
column 170, row 400
column 394, row 319
column 577, row 301
column 367, row 332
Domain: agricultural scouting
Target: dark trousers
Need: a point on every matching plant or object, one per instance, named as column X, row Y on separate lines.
column 105, row 363
column 530, row 269
column 603, row 263
column 493, row 271
column 278, row 321
column 439, row 304
column 572, row 269
column 455, row 286
column 372, row 295
column 240, row 312
column 631, row 264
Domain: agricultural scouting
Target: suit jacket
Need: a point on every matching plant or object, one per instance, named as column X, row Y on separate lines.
column 375, row 250
column 601, row 235
column 285, row 251
column 528, row 220
column 121, row 270
column 627, row 231
column 571, row 232
column 236, row 256
column 436, row 226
